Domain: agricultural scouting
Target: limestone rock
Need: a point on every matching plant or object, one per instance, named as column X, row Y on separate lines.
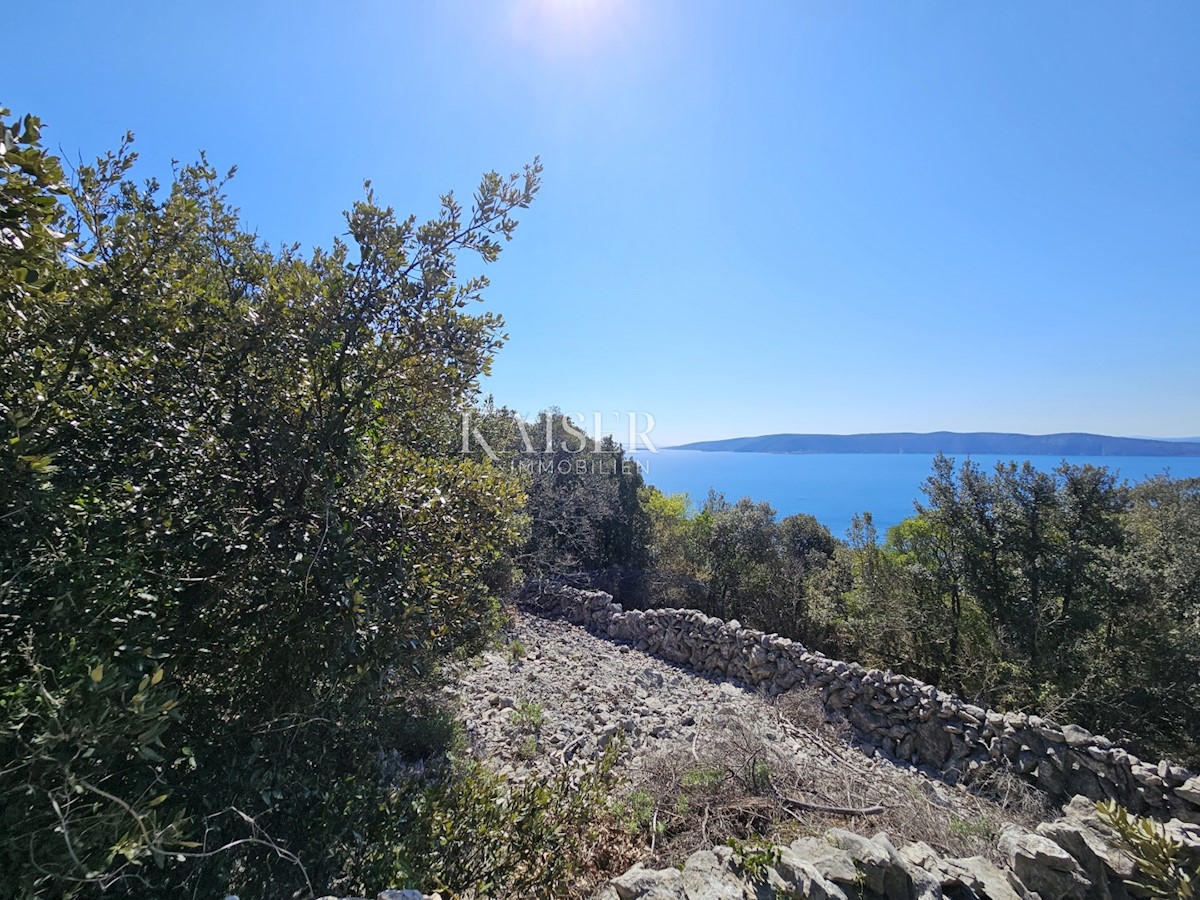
column 871, row 859
column 979, row 875
column 804, row 878
column 650, row 884
column 920, row 854
column 1043, row 866
column 1076, row 736
column 1190, row 790
column 833, row 863
column 707, row 877
column 1105, row 866
column 904, row 881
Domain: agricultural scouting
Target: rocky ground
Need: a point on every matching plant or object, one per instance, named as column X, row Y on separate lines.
column 572, row 692
column 552, row 694
column 705, row 760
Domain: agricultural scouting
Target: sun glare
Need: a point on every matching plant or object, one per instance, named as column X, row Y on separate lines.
column 562, row 27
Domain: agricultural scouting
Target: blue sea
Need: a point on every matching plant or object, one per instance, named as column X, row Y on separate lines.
column 835, row 486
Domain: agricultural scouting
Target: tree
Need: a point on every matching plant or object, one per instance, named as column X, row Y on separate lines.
column 743, row 552
column 1146, row 648
column 239, row 533
column 1091, row 507
column 806, row 542
column 1026, row 516
column 583, row 507
column 922, row 548
column 938, row 547
column 670, row 525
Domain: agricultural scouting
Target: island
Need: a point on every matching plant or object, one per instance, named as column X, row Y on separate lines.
column 953, row 442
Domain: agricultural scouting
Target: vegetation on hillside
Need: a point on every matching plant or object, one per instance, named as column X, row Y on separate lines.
column 583, row 508
column 1065, row 591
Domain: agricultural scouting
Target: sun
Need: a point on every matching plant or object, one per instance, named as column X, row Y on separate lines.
column 569, row 26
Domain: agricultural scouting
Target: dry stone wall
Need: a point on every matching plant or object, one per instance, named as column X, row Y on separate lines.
column 905, row 718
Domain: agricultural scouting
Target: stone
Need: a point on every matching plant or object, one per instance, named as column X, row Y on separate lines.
column 1082, row 777
column 1105, row 866
column 904, row 881
column 707, row 877
column 871, row 859
column 1047, row 732
column 1190, row 790
column 979, row 875
column 933, row 743
column 1076, row 736
column 1177, row 775
column 1026, row 761
column 1147, row 777
column 1043, row 866
column 1050, row 777
column 1186, row 833
column 920, row 855
column 649, row 884
column 833, row 863
column 804, row 879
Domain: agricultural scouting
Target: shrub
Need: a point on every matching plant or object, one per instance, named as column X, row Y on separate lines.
column 475, row 832
column 528, row 747
column 754, row 857
column 702, row 777
column 637, row 812
column 516, row 650
column 1163, row 863
column 238, row 531
column 528, row 715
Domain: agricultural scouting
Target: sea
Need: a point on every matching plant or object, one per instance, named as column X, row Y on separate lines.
column 833, row 487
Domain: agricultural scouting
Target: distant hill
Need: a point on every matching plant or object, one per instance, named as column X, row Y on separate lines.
column 953, row 443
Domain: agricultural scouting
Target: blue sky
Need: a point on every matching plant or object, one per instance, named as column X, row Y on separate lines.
column 756, row 217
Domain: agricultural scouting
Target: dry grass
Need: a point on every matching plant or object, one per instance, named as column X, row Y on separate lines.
column 737, row 784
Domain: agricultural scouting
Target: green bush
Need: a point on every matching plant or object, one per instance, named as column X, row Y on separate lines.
column 475, row 832
column 702, row 777
column 528, row 715
column 237, row 531
column 637, row 813
column 1164, row 864
column 754, row 857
